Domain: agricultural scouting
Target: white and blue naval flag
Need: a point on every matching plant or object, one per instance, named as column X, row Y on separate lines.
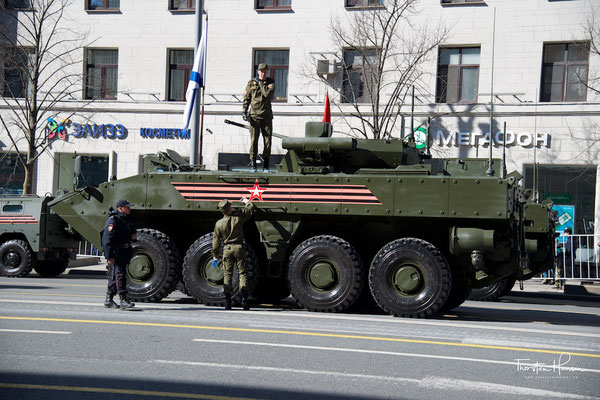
column 197, row 76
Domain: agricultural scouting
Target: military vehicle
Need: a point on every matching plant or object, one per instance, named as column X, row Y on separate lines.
column 341, row 220
column 33, row 237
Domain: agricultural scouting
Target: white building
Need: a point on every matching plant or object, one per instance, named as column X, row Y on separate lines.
column 139, row 54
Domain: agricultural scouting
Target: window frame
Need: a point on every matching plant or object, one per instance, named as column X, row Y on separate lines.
column 451, row 3
column 103, row 69
column 274, row 7
column 104, row 8
column 191, row 6
column 271, row 72
column 378, row 4
column 360, row 68
column 459, row 84
column 187, row 72
column 565, row 64
column 24, row 81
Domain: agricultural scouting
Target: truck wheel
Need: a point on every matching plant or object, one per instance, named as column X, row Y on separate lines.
column 205, row 282
column 181, row 287
column 325, row 273
column 457, row 296
column 154, row 270
column 50, row 268
column 410, row 278
column 494, row 291
column 16, row 258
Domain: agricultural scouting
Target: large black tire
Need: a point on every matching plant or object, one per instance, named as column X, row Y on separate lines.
column 16, row 258
column 325, row 273
column 410, row 278
column 205, row 282
column 155, row 267
column 50, row 268
column 457, row 296
column 181, row 287
column 494, row 291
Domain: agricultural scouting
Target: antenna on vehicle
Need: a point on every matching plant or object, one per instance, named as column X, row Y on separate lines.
column 490, row 170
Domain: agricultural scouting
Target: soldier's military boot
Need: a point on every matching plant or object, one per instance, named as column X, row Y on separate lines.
column 245, row 304
column 253, row 169
column 125, row 303
column 266, row 165
column 109, row 303
column 228, row 301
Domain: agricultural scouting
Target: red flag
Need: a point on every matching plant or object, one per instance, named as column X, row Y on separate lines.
column 327, row 113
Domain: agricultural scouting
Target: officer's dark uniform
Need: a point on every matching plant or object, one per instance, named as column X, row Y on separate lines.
column 257, row 109
column 116, row 243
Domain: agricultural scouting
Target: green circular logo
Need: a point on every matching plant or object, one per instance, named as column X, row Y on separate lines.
column 420, row 135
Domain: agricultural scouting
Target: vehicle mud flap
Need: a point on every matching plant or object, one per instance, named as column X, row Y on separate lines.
column 325, row 273
column 205, row 282
column 154, row 269
column 16, row 258
column 410, row 277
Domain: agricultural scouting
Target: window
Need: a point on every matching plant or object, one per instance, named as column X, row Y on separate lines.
column 94, row 170
column 461, row 1
column 12, row 174
column 12, row 208
column 103, row 5
column 180, row 66
column 458, row 75
column 182, row 5
column 101, row 74
column 278, row 62
column 273, row 4
column 17, row 71
column 18, row 4
column 356, row 73
column 364, row 3
column 565, row 72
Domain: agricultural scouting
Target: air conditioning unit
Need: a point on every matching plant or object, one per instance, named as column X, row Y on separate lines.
column 325, row 67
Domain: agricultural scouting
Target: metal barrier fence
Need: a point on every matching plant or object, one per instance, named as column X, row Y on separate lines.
column 582, row 262
column 88, row 249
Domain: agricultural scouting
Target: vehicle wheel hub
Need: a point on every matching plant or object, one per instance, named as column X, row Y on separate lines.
column 408, row 279
column 11, row 259
column 141, row 267
column 214, row 275
column 322, row 275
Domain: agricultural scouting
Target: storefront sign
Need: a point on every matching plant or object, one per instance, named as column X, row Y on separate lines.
column 164, row 133
column 480, row 138
column 560, row 197
column 56, row 130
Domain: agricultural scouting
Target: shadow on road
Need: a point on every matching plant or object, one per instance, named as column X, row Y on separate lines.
column 68, row 387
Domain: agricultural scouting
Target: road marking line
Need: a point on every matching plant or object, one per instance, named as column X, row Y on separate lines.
column 33, row 331
column 387, row 353
column 300, row 333
column 119, row 391
column 520, row 308
column 426, row 383
column 49, row 294
column 98, row 304
column 12, row 283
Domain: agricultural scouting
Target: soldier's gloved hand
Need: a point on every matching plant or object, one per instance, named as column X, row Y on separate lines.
column 215, row 262
column 245, row 116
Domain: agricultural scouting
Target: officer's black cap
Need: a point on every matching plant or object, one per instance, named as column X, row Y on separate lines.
column 124, row 203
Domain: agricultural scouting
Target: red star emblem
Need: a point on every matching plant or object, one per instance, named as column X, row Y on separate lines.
column 256, row 191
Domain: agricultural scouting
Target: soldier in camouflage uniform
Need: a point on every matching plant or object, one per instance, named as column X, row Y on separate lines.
column 229, row 232
column 257, row 110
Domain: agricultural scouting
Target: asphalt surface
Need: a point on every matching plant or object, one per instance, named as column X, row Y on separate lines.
column 57, row 341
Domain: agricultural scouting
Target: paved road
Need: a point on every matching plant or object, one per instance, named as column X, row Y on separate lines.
column 57, row 341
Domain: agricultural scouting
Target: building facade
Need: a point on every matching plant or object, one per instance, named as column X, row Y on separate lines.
column 135, row 59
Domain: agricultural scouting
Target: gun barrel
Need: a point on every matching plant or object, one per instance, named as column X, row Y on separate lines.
column 245, row 126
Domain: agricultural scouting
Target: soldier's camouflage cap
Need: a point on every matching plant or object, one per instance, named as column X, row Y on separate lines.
column 263, row 66
column 223, row 204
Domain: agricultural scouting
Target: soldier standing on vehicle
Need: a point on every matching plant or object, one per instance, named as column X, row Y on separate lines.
column 117, row 236
column 257, row 110
column 229, row 233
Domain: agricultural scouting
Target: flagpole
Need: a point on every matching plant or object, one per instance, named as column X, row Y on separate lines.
column 201, row 127
column 197, row 109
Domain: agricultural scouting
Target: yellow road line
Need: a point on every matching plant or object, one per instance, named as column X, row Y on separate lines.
column 119, row 391
column 301, row 333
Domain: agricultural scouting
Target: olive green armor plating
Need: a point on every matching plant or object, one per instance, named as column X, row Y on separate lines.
column 342, row 220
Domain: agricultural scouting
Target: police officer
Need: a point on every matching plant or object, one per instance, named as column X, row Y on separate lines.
column 229, row 231
column 116, row 241
column 257, row 110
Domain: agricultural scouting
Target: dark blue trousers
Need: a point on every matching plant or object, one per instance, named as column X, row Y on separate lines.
column 117, row 279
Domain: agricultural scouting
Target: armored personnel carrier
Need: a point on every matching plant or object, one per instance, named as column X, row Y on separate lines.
column 341, row 220
column 33, row 237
